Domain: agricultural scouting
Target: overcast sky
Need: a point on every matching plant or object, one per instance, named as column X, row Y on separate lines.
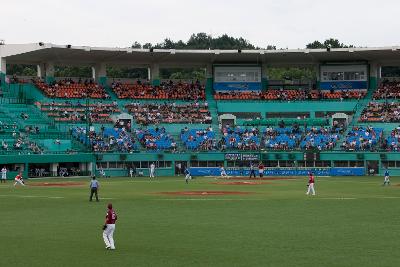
column 118, row 23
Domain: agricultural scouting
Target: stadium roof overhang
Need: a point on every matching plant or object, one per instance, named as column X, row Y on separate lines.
column 83, row 55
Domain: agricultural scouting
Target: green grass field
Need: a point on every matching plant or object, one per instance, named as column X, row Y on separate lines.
column 351, row 222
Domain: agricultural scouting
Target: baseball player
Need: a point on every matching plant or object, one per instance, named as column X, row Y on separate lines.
column 94, row 186
column 187, row 175
column 18, row 179
column 386, row 180
column 252, row 170
column 310, row 186
column 109, row 227
column 3, row 174
column 261, row 170
column 131, row 172
column 152, row 170
column 102, row 173
column 223, row 172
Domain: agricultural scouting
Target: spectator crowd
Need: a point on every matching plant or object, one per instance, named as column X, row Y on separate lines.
column 157, row 113
column 290, row 95
column 194, row 91
column 68, row 88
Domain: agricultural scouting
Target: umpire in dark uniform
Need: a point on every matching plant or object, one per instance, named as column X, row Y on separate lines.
column 94, row 187
column 252, row 170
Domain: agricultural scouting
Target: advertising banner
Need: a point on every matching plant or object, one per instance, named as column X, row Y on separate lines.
column 215, row 171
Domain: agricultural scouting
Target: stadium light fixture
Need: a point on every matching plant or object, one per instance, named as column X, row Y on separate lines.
column 262, row 52
column 172, row 51
column 87, row 49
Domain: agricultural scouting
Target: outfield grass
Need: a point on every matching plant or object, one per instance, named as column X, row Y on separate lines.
column 351, row 222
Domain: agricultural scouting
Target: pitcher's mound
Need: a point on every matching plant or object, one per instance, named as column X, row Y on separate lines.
column 205, row 193
column 241, row 183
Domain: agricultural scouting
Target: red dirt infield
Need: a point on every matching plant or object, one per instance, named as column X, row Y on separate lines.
column 241, row 183
column 56, row 184
column 204, row 193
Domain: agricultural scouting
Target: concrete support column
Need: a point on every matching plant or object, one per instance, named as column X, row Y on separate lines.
column 317, row 75
column 49, row 75
column 155, row 74
column 3, row 70
column 373, row 76
column 41, row 70
column 99, row 73
column 92, row 168
column 264, row 76
column 83, row 166
column 209, row 78
column 53, row 168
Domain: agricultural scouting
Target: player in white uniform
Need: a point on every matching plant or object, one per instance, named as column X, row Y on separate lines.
column 152, row 170
column 3, row 174
column 223, row 173
column 187, row 176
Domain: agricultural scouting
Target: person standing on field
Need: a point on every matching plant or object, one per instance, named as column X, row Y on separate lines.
column 94, row 187
column 152, row 170
column 311, row 181
column 386, row 180
column 252, row 170
column 261, row 170
column 109, row 227
column 4, row 174
column 187, row 175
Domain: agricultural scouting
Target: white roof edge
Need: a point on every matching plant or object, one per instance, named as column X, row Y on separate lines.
column 15, row 49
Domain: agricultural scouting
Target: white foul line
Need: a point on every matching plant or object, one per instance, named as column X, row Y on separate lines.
column 29, row 196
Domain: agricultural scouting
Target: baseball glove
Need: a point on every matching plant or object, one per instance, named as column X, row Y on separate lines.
column 104, row 227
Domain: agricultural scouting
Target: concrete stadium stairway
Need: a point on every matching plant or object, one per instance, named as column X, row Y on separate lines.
column 361, row 104
column 111, row 93
column 213, row 108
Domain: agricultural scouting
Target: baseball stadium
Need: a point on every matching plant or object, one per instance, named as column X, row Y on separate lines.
column 200, row 140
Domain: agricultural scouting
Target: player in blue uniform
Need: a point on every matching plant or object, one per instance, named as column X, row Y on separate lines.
column 386, row 180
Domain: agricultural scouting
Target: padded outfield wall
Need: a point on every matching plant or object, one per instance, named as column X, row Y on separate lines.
column 168, row 160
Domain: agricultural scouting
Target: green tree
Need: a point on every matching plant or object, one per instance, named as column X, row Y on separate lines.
column 126, row 72
column 136, row 45
column 21, row 69
column 73, row 71
column 331, row 43
column 291, row 73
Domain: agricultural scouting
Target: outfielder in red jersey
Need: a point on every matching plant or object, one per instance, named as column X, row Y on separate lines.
column 18, row 180
column 109, row 227
column 311, row 181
